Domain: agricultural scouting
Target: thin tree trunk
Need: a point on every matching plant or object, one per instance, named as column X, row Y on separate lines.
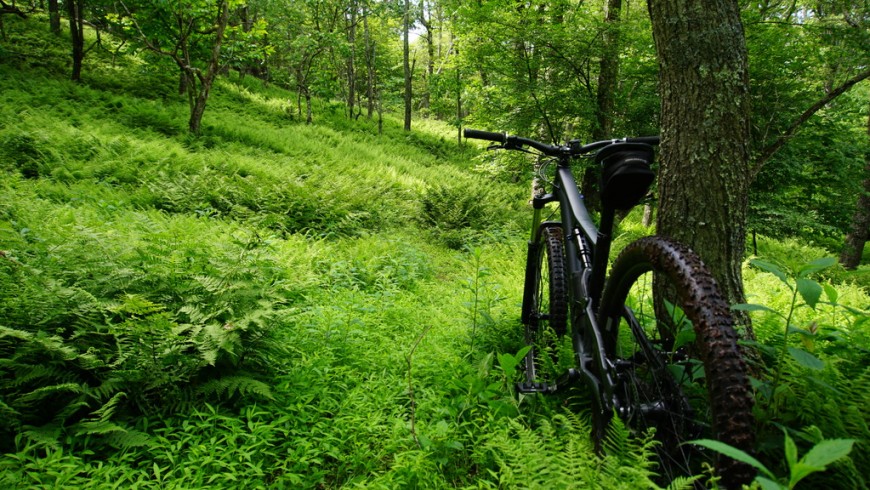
column 370, row 67
column 608, row 77
column 430, row 50
column 407, row 63
column 308, row 115
column 647, row 219
column 351, row 60
column 458, row 101
column 850, row 258
column 76, row 29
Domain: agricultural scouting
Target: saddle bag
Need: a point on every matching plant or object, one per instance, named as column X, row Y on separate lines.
column 625, row 173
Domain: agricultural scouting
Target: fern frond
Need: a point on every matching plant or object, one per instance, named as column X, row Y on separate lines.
column 26, row 374
column 231, row 385
column 46, row 435
column 128, row 438
column 96, row 427
column 106, row 412
column 683, row 483
column 9, row 416
column 40, row 394
column 107, row 389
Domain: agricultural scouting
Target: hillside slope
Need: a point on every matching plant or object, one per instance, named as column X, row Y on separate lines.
column 267, row 304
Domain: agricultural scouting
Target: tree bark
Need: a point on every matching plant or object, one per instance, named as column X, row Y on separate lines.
column 407, row 63
column 207, row 79
column 704, row 176
column 76, row 29
column 430, row 50
column 54, row 17
column 850, row 258
column 370, row 67
column 351, row 59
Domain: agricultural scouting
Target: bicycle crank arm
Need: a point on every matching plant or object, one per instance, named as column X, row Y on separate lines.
column 562, row 382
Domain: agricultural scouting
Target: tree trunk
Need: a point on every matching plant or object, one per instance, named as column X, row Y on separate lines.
column 430, row 50
column 608, row 77
column 351, row 60
column 647, row 219
column 206, row 80
column 855, row 240
column 458, row 101
column 703, row 181
column 406, row 29
column 370, row 67
column 54, row 17
column 76, row 30
column 308, row 116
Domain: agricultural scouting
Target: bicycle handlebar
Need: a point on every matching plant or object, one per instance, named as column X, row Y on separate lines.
column 572, row 149
column 485, row 135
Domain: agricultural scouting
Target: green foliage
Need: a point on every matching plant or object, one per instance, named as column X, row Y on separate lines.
column 811, row 340
column 556, row 454
column 460, row 213
column 817, row 459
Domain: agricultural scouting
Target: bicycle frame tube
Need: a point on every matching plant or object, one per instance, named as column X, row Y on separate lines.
column 586, row 249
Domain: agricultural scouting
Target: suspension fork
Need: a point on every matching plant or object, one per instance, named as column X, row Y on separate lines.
column 532, row 254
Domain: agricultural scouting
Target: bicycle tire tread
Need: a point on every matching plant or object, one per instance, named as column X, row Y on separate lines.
column 727, row 382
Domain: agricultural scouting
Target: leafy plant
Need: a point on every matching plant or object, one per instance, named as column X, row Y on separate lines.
column 817, row 459
column 801, row 285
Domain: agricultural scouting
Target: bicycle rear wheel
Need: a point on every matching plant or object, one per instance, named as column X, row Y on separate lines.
column 679, row 368
column 545, row 301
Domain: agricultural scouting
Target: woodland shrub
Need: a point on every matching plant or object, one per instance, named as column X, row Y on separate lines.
column 455, row 213
column 815, row 380
column 93, row 325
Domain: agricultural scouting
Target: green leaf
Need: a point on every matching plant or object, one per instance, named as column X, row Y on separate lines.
column 810, row 291
column 767, row 484
column 828, row 451
column 791, row 451
column 831, row 293
column 806, row 359
column 800, row 471
column 733, row 453
column 816, row 266
column 773, row 269
column 752, row 307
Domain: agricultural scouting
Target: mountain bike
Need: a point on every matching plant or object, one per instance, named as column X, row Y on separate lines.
column 654, row 339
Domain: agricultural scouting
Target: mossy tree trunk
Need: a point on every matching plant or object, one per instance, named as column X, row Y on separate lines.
column 703, row 182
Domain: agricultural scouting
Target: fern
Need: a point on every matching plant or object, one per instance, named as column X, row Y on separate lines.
column 558, row 454
column 229, row 386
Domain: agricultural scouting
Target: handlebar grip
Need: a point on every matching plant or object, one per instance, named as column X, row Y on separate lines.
column 485, row 135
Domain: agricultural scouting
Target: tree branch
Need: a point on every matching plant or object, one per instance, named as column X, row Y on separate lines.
column 5, row 8
column 783, row 138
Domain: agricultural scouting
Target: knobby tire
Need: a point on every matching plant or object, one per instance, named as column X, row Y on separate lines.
column 659, row 383
column 548, row 316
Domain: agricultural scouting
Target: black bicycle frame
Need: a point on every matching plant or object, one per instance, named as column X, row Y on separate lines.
column 587, row 247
